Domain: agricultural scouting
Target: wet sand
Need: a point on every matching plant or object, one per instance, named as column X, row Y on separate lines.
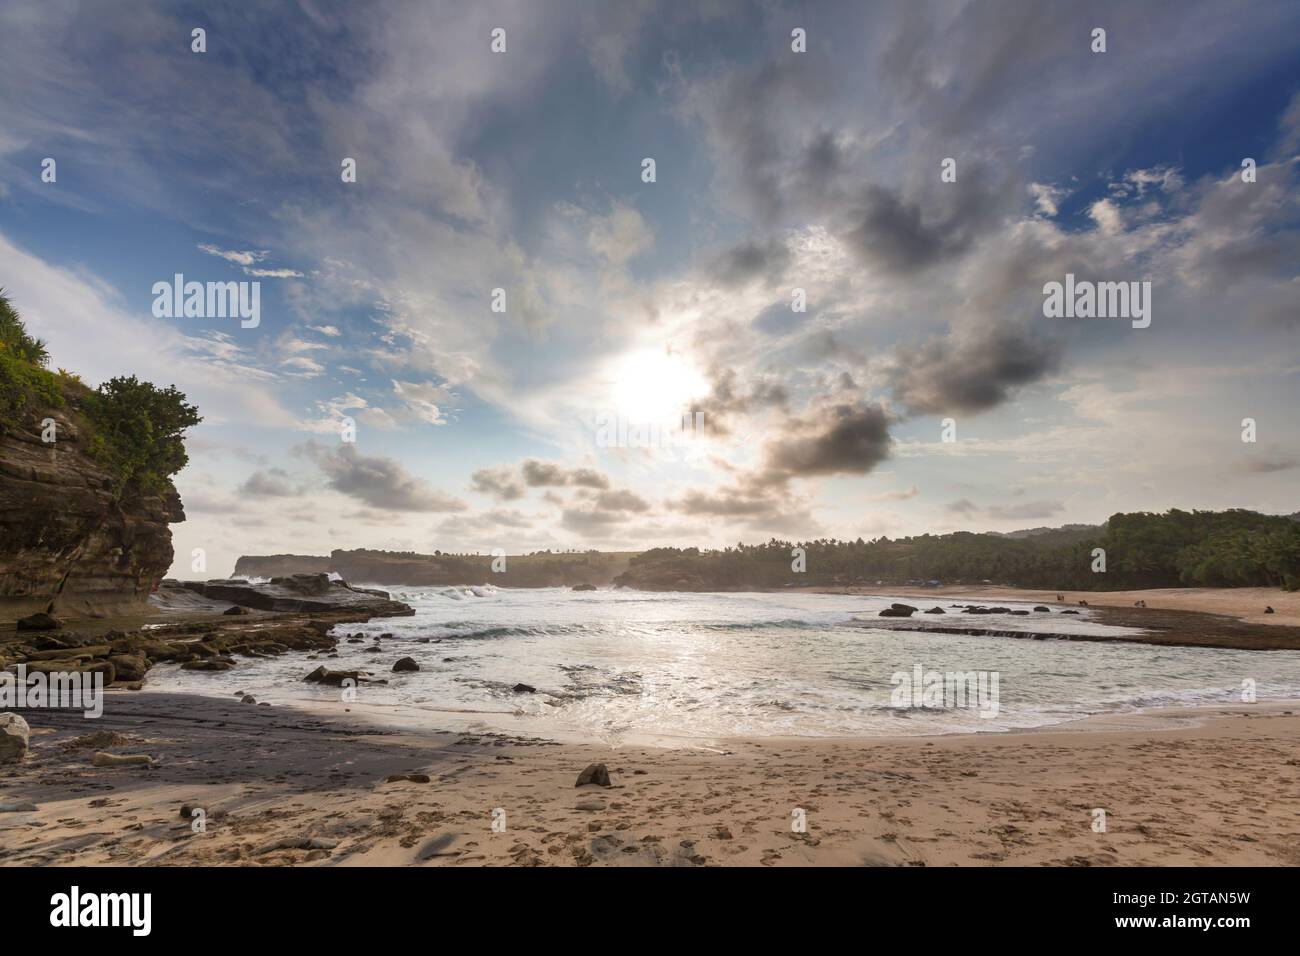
column 282, row 787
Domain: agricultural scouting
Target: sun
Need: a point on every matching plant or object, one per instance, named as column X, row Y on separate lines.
column 653, row 386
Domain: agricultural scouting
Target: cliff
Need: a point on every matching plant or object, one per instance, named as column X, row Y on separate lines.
column 539, row 570
column 65, row 537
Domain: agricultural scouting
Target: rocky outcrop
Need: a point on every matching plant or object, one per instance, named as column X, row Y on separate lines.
column 68, row 540
column 296, row 593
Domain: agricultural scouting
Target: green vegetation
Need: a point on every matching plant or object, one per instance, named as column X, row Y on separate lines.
column 139, row 431
column 136, row 429
column 1143, row 550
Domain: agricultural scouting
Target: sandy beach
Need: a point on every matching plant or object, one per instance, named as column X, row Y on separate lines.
column 283, row 787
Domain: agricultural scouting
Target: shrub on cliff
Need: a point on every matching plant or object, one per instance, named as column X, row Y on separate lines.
column 139, row 431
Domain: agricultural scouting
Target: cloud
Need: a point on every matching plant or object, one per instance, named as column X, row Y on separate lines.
column 970, row 371
column 1025, row 511
column 751, row 260
column 270, row 483
column 499, row 482
column 245, row 258
column 377, row 481
column 844, row 439
column 542, row 474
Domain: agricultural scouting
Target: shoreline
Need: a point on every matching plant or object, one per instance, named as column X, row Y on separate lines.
column 1180, row 786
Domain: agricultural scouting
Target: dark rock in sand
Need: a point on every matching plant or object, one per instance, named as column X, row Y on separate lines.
column 405, row 664
column 1041, row 608
column 596, row 774
column 1070, row 612
column 524, row 689
column 585, row 587
column 408, row 777
column 39, row 622
column 895, row 612
column 903, row 607
column 1025, row 613
column 234, row 610
column 936, row 610
column 129, row 667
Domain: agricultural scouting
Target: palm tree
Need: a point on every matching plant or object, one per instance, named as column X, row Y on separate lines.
column 14, row 338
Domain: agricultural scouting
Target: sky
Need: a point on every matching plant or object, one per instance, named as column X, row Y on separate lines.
column 488, row 339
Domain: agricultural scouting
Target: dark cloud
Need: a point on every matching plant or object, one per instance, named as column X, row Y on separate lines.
column 376, row 481
column 970, row 373
column 621, row 500
column 837, row 439
column 741, row 264
column 547, row 474
column 270, row 483
column 963, row 506
column 499, row 482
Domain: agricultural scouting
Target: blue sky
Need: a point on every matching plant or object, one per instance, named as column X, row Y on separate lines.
column 775, row 169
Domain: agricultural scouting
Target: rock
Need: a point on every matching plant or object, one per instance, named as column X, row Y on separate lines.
column 121, row 760
column 129, row 667
column 187, row 811
column 904, row 607
column 1041, row 608
column 14, row 738
column 1070, row 612
column 585, row 587
column 39, row 622
column 1026, row 613
column 589, row 805
column 299, row 593
column 22, row 806
column 1269, row 610
column 936, row 610
column 408, row 777
column 208, row 664
column 999, row 610
column 405, row 664
column 524, row 689
column 248, row 699
column 322, row 675
column 296, row 843
column 895, row 612
column 234, row 610
column 595, row 774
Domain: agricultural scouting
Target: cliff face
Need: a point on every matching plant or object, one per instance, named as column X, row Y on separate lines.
column 65, row 539
column 419, row 570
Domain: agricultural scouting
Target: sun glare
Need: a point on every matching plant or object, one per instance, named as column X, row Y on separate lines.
column 654, row 386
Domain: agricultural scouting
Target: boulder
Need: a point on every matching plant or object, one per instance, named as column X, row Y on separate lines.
column 129, row 667
column 936, row 610
column 299, row 593
column 584, row 587
column 208, row 664
column 323, row 675
column 895, row 612
column 596, row 774
column 524, row 689
column 14, row 737
column 405, row 664
column 408, row 778
column 904, row 607
column 39, row 622
column 234, row 610
column 1041, row 608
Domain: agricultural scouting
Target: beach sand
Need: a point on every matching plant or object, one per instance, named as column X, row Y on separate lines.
column 1205, row 787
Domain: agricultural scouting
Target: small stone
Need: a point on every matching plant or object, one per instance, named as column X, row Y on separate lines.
column 596, row 774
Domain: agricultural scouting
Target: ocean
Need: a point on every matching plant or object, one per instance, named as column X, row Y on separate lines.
column 620, row 666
